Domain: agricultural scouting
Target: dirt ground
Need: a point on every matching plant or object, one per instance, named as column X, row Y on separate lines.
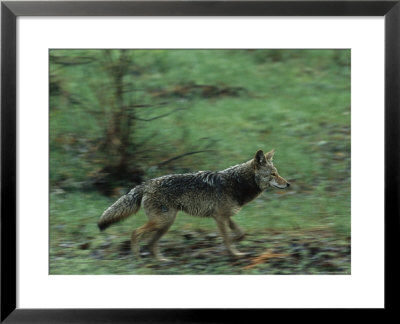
column 315, row 251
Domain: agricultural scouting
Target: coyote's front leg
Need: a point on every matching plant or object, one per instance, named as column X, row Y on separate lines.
column 238, row 232
column 222, row 223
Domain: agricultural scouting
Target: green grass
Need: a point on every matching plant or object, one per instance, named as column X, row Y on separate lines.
column 297, row 102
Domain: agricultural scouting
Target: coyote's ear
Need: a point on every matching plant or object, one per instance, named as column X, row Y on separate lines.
column 260, row 158
column 270, row 155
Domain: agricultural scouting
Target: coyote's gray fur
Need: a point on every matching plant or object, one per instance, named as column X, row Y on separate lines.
column 218, row 194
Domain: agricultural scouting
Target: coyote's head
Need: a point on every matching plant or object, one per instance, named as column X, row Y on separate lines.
column 266, row 174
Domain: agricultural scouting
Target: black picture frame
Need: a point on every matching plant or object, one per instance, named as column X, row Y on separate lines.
column 11, row 10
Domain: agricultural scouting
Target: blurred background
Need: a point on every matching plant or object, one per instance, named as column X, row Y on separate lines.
column 120, row 117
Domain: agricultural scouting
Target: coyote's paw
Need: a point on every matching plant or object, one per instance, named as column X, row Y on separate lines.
column 163, row 259
column 234, row 252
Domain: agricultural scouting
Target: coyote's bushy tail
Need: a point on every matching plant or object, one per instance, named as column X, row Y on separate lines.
column 122, row 208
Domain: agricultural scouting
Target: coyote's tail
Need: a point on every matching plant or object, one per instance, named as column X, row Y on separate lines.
column 122, row 208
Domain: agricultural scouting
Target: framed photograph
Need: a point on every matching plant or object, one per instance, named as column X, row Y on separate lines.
column 168, row 161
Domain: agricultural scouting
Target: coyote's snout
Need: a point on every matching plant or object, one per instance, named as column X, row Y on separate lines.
column 219, row 195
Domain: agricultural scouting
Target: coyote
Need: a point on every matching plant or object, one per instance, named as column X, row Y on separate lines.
column 219, row 195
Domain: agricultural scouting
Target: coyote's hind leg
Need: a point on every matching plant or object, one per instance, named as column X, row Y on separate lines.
column 138, row 234
column 164, row 222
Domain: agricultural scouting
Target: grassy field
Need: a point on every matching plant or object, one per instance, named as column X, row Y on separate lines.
column 227, row 104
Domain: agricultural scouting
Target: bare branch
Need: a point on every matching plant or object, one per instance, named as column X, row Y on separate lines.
column 181, row 156
column 161, row 104
column 159, row 116
column 71, row 61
